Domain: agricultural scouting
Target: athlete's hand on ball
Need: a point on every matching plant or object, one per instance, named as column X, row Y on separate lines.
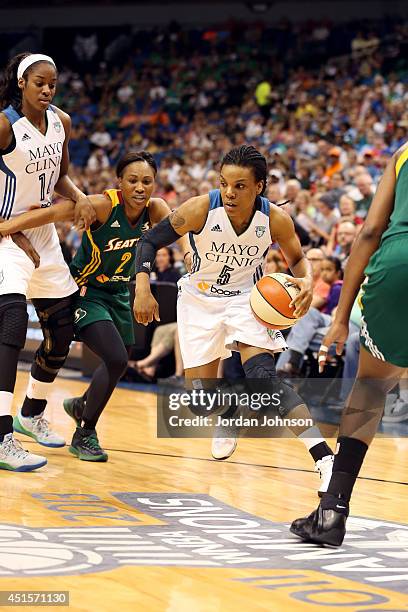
column 145, row 308
column 84, row 214
column 304, row 298
column 337, row 335
column 25, row 245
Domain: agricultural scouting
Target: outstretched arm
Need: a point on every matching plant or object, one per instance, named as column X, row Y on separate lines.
column 189, row 217
column 63, row 211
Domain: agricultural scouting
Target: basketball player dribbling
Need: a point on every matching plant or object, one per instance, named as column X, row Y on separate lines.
column 33, row 163
column 380, row 253
column 230, row 232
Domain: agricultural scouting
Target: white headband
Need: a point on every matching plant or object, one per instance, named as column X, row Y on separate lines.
column 32, row 59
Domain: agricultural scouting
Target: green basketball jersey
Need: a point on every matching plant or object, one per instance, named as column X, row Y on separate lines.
column 106, row 256
column 399, row 217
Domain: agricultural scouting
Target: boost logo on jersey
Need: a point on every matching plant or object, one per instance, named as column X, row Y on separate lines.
column 203, row 287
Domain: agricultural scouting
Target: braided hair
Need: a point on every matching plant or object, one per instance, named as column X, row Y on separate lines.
column 247, row 156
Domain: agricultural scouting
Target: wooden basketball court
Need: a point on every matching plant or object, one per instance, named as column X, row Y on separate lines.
column 162, row 526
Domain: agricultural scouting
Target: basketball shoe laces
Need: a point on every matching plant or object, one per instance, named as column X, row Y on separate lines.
column 41, row 426
column 12, row 447
column 91, row 441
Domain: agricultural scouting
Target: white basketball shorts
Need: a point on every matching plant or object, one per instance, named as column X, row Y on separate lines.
column 52, row 279
column 210, row 327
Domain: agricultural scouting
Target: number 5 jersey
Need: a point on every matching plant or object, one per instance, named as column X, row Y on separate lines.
column 225, row 263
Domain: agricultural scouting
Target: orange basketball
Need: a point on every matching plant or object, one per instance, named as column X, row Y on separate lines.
column 270, row 299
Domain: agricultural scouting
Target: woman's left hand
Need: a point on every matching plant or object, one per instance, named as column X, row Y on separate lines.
column 304, row 298
column 84, row 214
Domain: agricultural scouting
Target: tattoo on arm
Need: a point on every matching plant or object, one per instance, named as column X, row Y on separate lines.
column 176, row 220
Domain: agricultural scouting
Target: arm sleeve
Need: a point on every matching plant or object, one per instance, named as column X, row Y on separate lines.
column 159, row 236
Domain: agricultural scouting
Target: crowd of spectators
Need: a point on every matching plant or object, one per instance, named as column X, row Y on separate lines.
column 326, row 104
column 327, row 124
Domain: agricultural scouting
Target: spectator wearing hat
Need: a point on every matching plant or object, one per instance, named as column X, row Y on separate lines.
column 335, row 164
column 368, row 163
column 276, row 179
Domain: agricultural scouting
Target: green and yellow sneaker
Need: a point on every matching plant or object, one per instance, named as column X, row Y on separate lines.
column 85, row 445
column 74, row 407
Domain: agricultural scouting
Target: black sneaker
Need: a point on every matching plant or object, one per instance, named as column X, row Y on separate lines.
column 74, row 407
column 322, row 526
column 85, row 445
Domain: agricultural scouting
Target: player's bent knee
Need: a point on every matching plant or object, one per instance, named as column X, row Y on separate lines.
column 118, row 365
column 57, row 323
column 261, row 365
column 13, row 321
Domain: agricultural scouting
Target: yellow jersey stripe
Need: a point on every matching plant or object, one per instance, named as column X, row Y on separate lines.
column 401, row 161
column 113, row 194
column 93, row 264
column 88, row 265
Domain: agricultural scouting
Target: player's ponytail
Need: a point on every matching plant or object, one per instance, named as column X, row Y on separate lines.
column 10, row 93
column 247, row 156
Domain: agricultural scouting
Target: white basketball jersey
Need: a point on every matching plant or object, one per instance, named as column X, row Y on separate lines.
column 224, row 263
column 30, row 167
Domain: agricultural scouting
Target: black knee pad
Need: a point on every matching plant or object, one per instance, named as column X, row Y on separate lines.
column 57, row 323
column 13, row 320
column 262, row 366
column 288, row 398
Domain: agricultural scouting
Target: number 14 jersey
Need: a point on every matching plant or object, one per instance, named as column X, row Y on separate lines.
column 224, row 263
column 30, row 166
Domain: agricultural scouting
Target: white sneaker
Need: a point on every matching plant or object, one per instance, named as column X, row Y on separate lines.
column 14, row 457
column 325, row 467
column 222, row 448
column 395, row 412
column 38, row 428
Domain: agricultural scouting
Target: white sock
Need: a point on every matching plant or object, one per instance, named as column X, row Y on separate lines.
column 6, row 401
column 36, row 389
column 311, row 437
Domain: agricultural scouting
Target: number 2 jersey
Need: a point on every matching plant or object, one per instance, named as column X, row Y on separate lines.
column 224, row 263
column 29, row 169
column 106, row 257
